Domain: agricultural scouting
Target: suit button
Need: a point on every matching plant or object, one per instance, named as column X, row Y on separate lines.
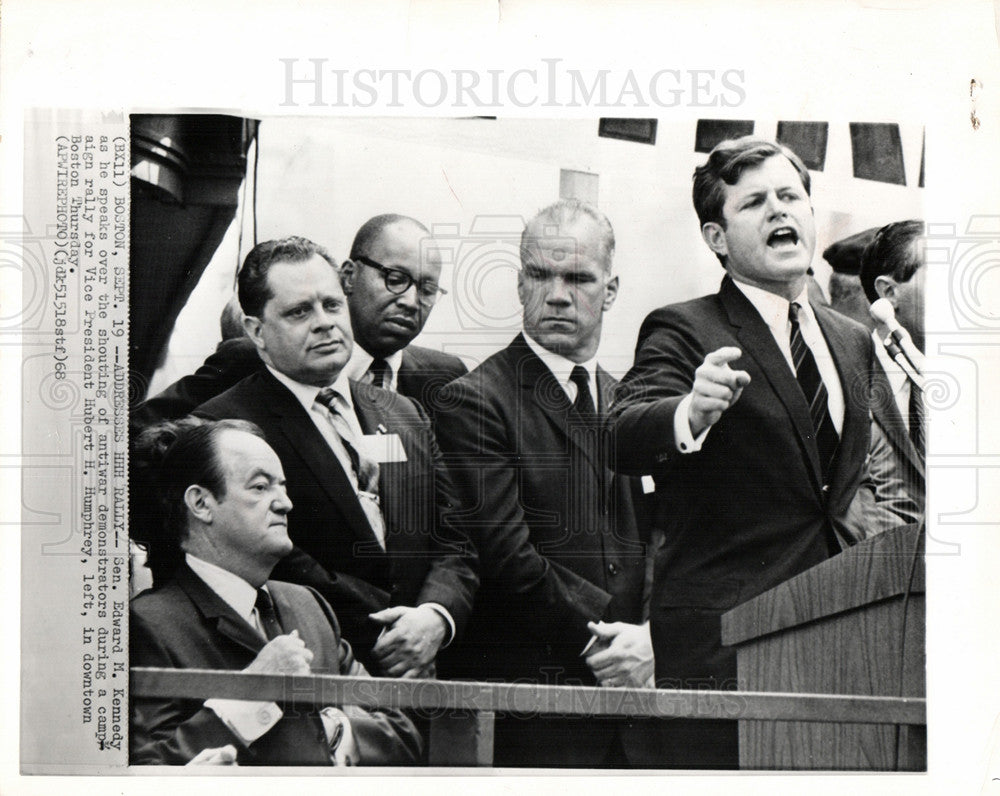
column 613, row 569
column 826, row 488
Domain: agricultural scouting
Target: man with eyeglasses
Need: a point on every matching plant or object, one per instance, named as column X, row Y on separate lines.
column 371, row 526
column 392, row 283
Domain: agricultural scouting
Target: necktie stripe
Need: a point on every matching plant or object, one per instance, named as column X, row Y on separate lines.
column 809, row 379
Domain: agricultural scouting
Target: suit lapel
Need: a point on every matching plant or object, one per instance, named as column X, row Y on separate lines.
column 888, row 417
column 540, row 389
column 757, row 342
column 302, row 435
column 215, row 610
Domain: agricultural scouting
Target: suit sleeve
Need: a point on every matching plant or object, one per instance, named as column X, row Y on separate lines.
column 383, row 737
column 163, row 731
column 453, row 577
column 231, row 362
column 556, row 602
column 640, row 424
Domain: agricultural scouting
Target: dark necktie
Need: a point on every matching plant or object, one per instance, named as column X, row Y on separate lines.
column 265, row 613
column 917, row 418
column 807, row 374
column 380, row 373
column 584, row 403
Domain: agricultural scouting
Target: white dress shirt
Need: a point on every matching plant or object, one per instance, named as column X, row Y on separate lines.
column 773, row 309
column 247, row 719
column 898, row 380
column 562, row 369
column 357, row 368
column 320, row 415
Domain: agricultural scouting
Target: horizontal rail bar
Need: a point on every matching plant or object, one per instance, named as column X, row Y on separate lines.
column 432, row 696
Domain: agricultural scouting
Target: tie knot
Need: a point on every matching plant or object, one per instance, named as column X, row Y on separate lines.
column 580, row 377
column 264, row 602
column 380, row 372
column 328, row 398
column 793, row 311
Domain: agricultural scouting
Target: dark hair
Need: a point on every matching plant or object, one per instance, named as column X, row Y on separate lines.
column 372, row 229
column 166, row 459
column 726, row 164
column 252, row 285
column 562, row 214
column 890, row 254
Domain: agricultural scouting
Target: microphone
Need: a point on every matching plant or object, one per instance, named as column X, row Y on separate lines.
column 897, row 341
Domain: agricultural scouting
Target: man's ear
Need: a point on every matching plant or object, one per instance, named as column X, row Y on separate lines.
column 252, row 326
column 610, row 293
column 348, row 273
column 887, row 288
column 199, row 502
column 715, row 236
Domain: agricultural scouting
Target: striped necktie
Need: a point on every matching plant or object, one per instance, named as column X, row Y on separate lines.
column 807, row 374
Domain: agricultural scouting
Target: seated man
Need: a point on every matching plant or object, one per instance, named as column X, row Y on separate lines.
column 222, row 496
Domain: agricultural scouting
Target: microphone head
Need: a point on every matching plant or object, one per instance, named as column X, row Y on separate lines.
column 883, row 313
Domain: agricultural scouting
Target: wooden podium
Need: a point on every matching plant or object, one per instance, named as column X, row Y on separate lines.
column 851, row 625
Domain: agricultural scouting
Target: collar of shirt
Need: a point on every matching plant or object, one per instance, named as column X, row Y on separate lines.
column 232, row 589
column 357, row 366
column 773, row 310
column 562, row 369
column 306, row 393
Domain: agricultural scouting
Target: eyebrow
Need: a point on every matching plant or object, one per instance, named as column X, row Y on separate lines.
column 260, row 471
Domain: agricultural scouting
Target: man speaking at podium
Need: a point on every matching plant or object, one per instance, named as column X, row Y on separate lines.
column 750, row 408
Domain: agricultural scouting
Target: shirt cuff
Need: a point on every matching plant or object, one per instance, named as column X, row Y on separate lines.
column 446, row 615
column 343, row 746
column 682, row 428
column 248, row 720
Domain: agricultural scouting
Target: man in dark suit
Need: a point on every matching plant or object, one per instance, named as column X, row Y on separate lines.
column 363, row 466
column 391, row 253
column 562, row 562
column 224, row 527
column 892, row 267
column 753, row 478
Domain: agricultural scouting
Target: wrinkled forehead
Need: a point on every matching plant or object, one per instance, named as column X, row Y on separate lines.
column 288, row 280
column 242, row 455
column 775, row 172
column 407, row 247
column 567, row 246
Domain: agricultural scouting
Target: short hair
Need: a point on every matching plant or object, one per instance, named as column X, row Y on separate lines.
column 252, row 286
column 166, row 459
column 231, row 320
column 890, row 254
column 726, row 164
column 372, row 229
column 565, row 213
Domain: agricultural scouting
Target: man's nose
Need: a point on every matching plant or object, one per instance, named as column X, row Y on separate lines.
column 323, row 319
column 559, row 292
column 282, row 503
column 408, row 298
column 775, row 207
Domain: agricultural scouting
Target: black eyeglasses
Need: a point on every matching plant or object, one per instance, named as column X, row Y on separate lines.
column 398, row 282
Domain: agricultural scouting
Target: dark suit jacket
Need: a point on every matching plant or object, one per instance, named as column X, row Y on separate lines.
column 426, row 559
column 421, row 375
column 750, row 509
column 557, row 539
column 185, row 625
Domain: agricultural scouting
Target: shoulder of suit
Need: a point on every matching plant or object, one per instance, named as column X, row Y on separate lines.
column 831, row 316
column 159, row 606
column 244, row 397
column 499, row 369
column 421, row 357
column 367, row 396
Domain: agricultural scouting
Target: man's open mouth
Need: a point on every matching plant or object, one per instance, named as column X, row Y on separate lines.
column 783, row 236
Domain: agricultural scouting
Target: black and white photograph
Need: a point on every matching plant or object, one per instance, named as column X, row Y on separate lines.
column 508, row 410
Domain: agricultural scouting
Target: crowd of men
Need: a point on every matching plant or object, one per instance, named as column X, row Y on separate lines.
column 324, row 496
